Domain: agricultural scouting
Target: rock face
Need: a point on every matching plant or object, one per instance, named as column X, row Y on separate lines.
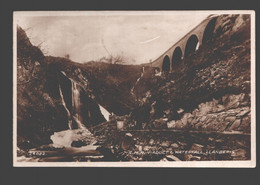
column 217, row 115
column 39, row 112
column 47, row 99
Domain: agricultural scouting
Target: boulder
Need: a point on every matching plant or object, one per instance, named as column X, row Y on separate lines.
column 243, row 112
column 235, row 125
column 171, row 124
column 232, row 101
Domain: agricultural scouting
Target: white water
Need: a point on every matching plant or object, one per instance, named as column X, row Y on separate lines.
column 76, row 105
column 67, row 110
column 75, row 113
column 142, row 74
column 104, row 112
column 66, row 137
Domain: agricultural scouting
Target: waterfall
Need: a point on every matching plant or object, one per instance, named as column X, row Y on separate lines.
column 66, row 137
column 104, row 112
column 76, row 104
column 75, row 113
column 67, row 110
column 142, row 74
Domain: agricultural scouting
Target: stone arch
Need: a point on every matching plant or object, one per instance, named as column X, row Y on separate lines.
column 208, row 32
column 166, row 64
column 176, row 57
column 191, row 45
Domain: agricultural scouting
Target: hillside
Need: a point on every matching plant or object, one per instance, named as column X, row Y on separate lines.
column 204, row 104
column 217, row 75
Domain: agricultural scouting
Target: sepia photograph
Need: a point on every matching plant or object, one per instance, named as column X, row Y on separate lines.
column 134, row 89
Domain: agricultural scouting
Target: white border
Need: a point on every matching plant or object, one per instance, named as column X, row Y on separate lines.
column 186, row 164
column 14, row 90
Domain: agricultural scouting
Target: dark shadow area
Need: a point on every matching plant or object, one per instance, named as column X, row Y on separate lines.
column 208, row 32
column 191, row 45
column 166, row 64
column 176, row 57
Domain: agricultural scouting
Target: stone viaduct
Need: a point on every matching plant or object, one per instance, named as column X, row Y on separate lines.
column 186, row 46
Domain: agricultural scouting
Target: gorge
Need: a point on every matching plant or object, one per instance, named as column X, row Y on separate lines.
column 67, row 111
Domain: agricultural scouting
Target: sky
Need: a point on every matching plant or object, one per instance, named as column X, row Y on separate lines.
column 88, row 36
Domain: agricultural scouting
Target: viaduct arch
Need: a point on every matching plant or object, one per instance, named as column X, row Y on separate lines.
column 176, row 57
column 191, row 45
column 186, row 46
column 166, row 64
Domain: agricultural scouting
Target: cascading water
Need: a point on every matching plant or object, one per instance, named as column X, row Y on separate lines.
column 66, row 137
column 75, row 114
column 67, row 110
column 104, row 112
column 76, row 105
column 142, row 74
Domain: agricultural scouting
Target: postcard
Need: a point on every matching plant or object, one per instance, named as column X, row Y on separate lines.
column 134, row 89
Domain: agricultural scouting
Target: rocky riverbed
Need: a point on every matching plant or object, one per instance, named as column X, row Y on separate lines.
column 141, row 145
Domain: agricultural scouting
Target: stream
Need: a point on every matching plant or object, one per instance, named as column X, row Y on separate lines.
column 68, row 145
